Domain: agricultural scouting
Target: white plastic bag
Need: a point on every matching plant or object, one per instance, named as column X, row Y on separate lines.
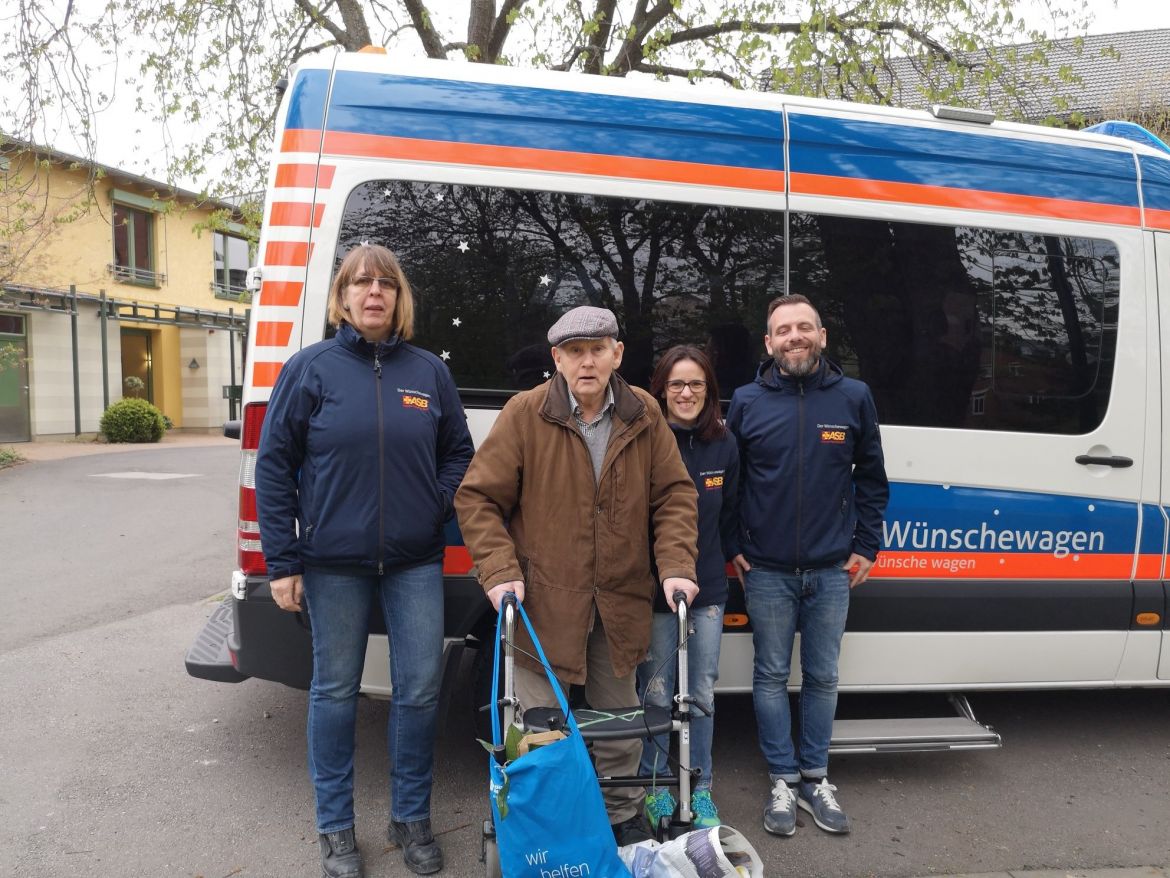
column 721, row 852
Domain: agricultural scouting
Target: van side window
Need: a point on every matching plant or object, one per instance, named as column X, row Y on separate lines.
column 962, row 327
column 492, row 268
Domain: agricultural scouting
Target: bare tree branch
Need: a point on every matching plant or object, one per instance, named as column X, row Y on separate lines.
column 642, row 25
column 354, row 17
column 480, row 19
column 318, row 18
column 432, row 43
column 707, row 31
column 595, row 50
column 664, row 70
column 501, row 29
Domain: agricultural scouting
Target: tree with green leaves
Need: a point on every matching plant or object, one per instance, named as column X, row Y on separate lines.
column 209, row 67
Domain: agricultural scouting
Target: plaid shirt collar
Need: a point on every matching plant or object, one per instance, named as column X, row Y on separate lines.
column 606, row 407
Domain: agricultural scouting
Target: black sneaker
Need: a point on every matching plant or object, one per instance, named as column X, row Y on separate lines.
column 340, row 857
column 420, row 851
column 631, row 831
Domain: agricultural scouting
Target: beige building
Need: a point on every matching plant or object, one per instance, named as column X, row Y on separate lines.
column 113, row 285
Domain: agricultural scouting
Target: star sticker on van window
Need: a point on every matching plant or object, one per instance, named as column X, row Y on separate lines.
column 365, row 242
column 388, row 192
column 464, row 246
column 438, row 196
column 455, row 321
column 446, row 355
column 545, row 280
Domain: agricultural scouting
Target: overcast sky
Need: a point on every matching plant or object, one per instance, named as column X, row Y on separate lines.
column 139, row 155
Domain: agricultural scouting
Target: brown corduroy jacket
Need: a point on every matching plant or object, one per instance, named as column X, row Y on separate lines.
column 530, row 510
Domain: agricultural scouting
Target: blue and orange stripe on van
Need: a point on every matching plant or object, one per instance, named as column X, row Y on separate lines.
column 492, row 125
column 957, row 532
column 1156, row 191
column 859, row 158
column 1151, row 543
column 510, row 126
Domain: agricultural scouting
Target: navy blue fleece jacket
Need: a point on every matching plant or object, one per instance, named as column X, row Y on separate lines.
column 812, row 474
column 363, row 447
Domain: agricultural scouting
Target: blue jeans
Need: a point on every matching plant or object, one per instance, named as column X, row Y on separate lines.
column 706, row 634
column 815, row 603
column 339, row 606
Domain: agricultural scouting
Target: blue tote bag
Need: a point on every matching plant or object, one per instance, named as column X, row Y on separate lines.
column 546, row 805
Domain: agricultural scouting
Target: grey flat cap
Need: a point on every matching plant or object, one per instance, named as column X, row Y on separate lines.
column 583, row 322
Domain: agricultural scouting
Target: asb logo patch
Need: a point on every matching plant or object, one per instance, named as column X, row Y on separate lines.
column 410, row 401
column 713, row 482
column 834, row 437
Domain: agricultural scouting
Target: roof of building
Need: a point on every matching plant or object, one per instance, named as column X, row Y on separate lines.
column 1096, row 76
column 9, row 144
column 1113, row 66
column 1106, row 74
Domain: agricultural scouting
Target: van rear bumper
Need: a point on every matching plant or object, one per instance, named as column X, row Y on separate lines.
column 248, row 635
column 253, row 638
column 209, row 657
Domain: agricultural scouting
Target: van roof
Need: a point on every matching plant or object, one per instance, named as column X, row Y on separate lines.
column 564, row 123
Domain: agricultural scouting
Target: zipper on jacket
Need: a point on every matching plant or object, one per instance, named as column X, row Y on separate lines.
column 799, row 469
column 381, row 463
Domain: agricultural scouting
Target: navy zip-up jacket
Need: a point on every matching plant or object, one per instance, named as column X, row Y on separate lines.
column 812, row 474
column 714, row 468
column 363, row 447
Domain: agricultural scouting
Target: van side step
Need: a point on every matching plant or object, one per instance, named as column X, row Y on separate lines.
column 915, row 734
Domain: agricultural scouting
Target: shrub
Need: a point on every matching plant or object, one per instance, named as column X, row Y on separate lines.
column 132, row 420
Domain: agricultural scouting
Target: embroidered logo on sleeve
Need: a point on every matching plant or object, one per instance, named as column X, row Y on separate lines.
column 712, row 479
column 410, row 401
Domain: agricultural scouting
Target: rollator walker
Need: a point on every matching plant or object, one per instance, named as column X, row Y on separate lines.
column 637, row 721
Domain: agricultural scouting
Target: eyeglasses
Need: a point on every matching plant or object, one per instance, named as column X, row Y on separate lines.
column 696, row 386
column 364, row 282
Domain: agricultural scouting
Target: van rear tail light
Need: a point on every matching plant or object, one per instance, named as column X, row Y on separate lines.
column 251, row 558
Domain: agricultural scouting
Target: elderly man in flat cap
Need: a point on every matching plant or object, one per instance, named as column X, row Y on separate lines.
column 559, row 506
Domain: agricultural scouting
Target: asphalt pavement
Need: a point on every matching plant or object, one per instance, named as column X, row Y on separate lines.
column 115, row 762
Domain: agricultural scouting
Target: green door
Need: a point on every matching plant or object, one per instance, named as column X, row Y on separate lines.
column 14, row 419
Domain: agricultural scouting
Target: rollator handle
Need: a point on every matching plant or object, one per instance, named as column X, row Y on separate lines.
column 508, row 600
column 680, row 597
column 698, row 705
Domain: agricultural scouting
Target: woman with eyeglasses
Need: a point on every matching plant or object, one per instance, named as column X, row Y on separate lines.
column 684, row 383
column 364, row 444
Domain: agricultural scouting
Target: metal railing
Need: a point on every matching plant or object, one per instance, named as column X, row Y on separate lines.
column 133, row 275
column 231, row 293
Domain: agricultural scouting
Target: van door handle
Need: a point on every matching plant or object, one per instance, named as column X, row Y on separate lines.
column 1114, row 460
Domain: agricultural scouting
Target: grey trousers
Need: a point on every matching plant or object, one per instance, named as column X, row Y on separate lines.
column 603, row 689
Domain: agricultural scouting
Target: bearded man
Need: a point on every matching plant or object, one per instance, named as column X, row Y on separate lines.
column 813, row 492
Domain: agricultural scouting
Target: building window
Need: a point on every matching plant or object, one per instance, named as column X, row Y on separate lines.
column 134, row 246
column 233, row 256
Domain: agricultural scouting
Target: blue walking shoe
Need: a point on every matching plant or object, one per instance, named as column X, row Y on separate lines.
column 659, row 807
column 706, row 814
column 819, row 801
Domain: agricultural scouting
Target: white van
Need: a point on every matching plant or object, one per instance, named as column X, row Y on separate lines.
column 998, row 286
